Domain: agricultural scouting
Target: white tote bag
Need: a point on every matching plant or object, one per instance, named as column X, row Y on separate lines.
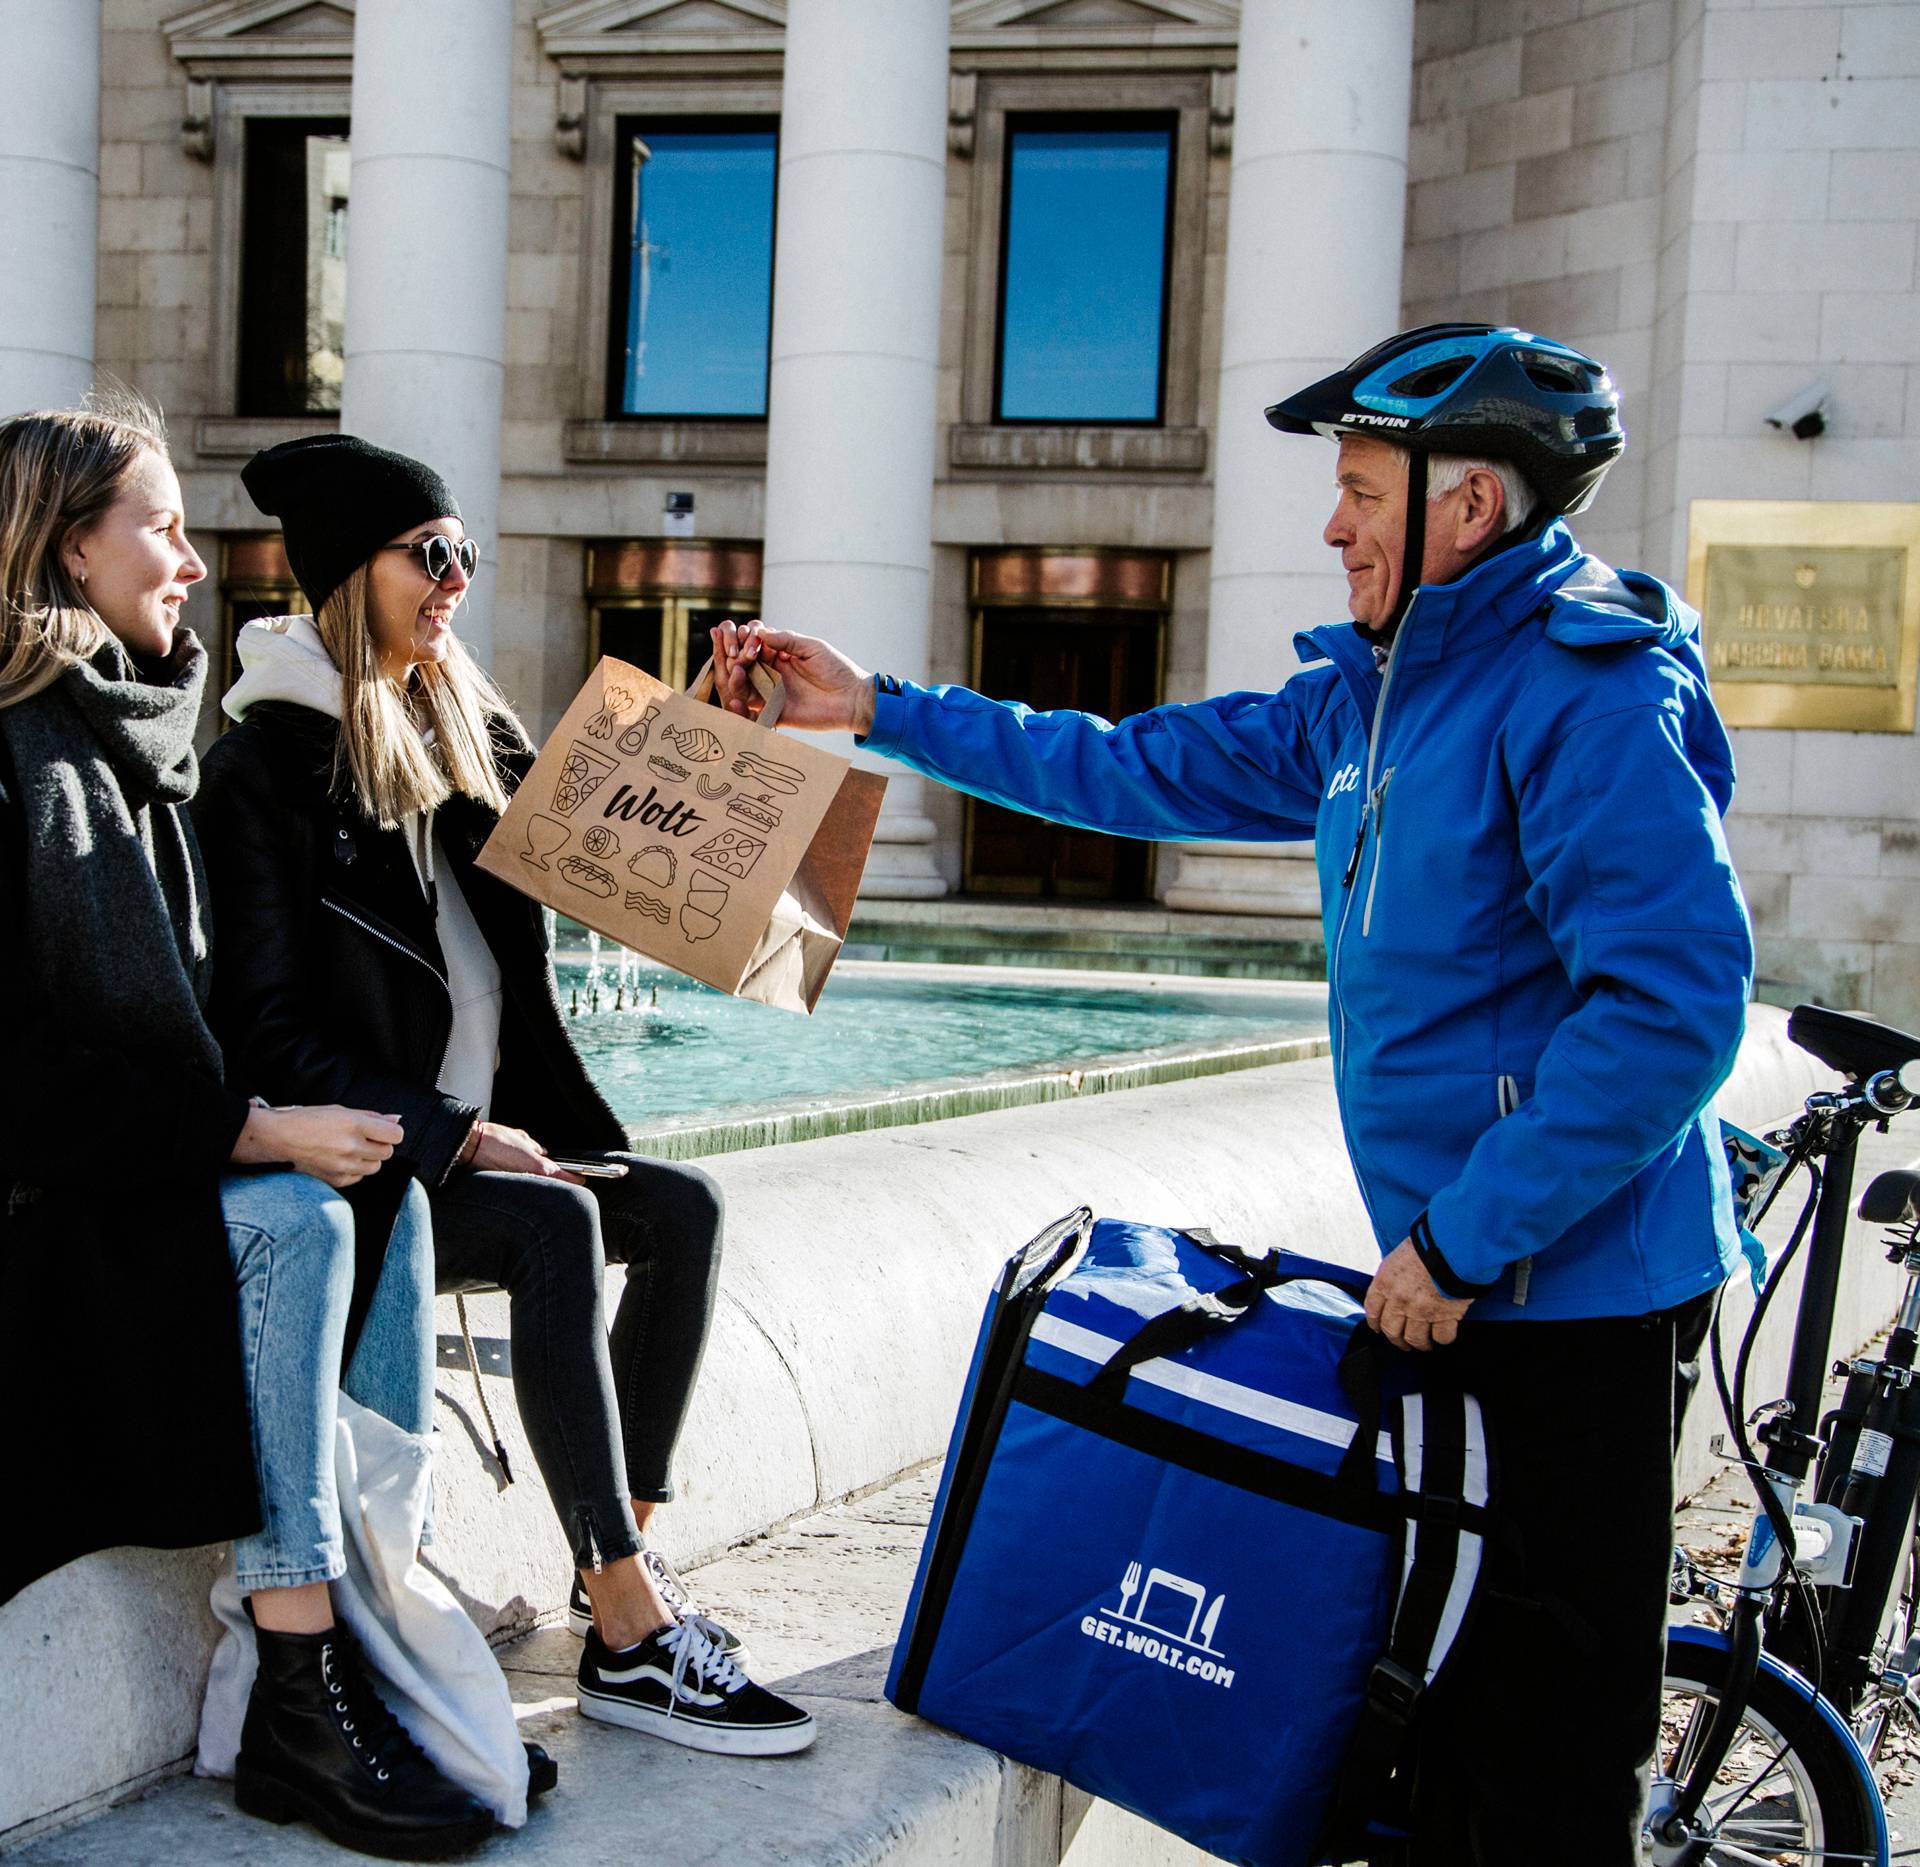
column 433, row 1666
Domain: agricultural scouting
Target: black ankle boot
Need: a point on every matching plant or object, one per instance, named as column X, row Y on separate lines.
column 319, row 1744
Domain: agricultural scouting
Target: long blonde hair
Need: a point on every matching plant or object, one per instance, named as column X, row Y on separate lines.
column 384, row 751
column 60, row 471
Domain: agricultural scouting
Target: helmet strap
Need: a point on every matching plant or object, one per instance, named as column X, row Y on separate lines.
column 1413, row 555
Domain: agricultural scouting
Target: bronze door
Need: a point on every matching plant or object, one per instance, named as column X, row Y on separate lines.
column 1098, row 661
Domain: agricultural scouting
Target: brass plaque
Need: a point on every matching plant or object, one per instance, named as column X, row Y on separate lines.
column 1810, row 611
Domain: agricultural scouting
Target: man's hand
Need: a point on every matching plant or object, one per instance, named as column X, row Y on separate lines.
column 338, row 1145
column 825, row 691
column 1404, row 1306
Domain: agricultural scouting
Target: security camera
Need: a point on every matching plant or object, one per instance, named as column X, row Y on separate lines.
column 1804, row 415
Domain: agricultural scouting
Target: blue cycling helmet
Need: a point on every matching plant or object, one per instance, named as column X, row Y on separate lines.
column 1483, row 390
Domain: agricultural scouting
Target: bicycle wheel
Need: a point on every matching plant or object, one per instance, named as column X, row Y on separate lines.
column 1792, row 1791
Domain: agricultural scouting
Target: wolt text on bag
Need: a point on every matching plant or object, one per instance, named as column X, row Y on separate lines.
column 1199, row 1546
column 703, row 840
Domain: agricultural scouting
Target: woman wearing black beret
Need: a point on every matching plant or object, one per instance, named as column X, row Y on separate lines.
column 366, row 956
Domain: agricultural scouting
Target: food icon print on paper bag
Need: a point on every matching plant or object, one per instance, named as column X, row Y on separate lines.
column 710, row 843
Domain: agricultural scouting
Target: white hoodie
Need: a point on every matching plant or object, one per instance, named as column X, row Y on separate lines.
column 283, row 658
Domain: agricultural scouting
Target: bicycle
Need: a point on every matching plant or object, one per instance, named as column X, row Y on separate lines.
column 1771, row 1721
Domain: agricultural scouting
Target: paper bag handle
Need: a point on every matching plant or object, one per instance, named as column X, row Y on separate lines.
column 770, row 687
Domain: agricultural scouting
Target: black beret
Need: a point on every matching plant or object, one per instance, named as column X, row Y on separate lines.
column 339, row 499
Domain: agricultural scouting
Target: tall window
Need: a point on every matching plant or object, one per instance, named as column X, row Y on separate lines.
column 693, row 295
column 1083, row 277
column 293, row 266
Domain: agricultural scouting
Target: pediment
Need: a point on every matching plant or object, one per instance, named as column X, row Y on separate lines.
column 238, row 31
column 1107, row 18
column 610, row 26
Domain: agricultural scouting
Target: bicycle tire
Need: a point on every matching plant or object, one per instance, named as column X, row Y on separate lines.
column 1797, row 1791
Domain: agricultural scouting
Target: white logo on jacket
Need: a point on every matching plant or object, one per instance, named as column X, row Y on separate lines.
column 1133, row 1629
column 1347, row 778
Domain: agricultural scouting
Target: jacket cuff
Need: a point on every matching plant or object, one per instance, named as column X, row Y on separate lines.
column 432, row 1155
column 889, row 714
column 1445, row 1277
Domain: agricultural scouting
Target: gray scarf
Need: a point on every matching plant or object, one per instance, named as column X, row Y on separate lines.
column 115, row 895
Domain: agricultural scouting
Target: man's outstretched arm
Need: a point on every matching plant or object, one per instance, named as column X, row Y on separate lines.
column 1242, row 766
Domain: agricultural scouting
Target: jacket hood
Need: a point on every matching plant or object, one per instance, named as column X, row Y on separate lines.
column 1598, row 606
column 282, row 658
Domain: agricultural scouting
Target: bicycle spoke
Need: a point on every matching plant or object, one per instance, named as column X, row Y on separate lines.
column 1691, row 1739
column 1725, row 1850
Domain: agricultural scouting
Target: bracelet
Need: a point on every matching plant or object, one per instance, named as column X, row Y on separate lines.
column 471, row 1145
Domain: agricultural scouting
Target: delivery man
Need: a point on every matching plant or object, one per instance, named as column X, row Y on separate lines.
column 1537, row 982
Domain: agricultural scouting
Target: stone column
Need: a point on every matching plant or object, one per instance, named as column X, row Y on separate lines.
column 856, row 328
column 427, row 253
column 49, row 201
column 1315, row 228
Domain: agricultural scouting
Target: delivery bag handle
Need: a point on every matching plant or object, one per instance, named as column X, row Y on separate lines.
column 771, row 688
column 1206, row 1312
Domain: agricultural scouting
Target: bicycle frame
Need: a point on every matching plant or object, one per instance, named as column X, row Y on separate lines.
column 1849, row 1542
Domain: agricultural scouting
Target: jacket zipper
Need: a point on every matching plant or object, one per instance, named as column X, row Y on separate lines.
column 1379, row 802
column 1353, row 862
column 1509, row 1092
column 399, row 946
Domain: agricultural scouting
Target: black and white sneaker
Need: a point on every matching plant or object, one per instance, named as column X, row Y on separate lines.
column 678, row 1685
column 673, row 1591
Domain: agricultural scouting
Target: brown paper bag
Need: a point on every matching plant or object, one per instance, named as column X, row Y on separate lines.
column 705, row 841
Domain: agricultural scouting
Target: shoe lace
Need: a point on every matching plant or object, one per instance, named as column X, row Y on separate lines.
column 667, row 1579
column 379, row 1738
column 694, row 1642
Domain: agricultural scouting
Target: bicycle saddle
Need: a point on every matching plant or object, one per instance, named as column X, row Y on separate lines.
column 1845, row 1041
column 1893, row 1198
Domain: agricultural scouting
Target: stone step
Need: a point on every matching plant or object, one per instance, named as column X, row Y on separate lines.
column 820, row 1604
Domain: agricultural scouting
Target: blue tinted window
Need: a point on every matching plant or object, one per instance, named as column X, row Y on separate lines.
column 1084, row 287
column 699, row 278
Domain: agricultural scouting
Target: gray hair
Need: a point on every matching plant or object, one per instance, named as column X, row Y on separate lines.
column 1447, row 472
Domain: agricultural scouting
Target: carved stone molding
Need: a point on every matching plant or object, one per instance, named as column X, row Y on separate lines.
column 620, row 37
column 987, row 25
column 266, row 41
column 1220, row 114
column 963, row 90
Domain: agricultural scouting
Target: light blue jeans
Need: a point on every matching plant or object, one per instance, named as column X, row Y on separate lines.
column 291, row 1240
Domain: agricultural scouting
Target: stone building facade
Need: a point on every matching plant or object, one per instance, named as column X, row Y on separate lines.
column 1718, row 197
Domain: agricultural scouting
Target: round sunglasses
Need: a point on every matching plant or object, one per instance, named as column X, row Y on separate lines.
column 439, row 554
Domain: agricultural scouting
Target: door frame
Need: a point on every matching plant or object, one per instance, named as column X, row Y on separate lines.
column 1064, row 581
column 679, row 575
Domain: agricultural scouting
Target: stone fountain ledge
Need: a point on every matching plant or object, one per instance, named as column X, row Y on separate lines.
column 856, row 1270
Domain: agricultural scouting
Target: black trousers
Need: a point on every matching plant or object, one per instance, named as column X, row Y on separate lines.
column 1534, row 1747
column 602, row 1417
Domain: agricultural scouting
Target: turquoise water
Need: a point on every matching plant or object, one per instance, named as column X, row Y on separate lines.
column 675, row 1048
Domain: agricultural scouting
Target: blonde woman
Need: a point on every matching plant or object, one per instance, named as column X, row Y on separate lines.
column 341, row 819
column 176, row 1271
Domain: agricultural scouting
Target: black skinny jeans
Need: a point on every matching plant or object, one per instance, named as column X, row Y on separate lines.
column 602, row 1418
column 1533, row 1751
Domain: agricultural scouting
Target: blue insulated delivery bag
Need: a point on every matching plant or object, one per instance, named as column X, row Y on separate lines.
column 1198, row 1547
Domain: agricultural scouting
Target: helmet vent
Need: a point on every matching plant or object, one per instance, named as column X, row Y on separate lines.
column 1556, row 378
column 1436, row 379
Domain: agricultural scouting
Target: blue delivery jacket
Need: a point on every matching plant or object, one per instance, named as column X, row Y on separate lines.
column 1538, row 956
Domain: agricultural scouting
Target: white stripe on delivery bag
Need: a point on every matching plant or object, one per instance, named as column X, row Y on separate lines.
column 1228, row 1396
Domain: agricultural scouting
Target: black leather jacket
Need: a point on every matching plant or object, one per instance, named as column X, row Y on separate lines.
column 331, row 986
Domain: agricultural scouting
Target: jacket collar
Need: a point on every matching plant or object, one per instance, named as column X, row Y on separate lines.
column 1492, row 599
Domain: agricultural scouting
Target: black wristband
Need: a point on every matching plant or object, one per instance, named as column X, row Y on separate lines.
column 886, row 684
column 1451, row 1283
